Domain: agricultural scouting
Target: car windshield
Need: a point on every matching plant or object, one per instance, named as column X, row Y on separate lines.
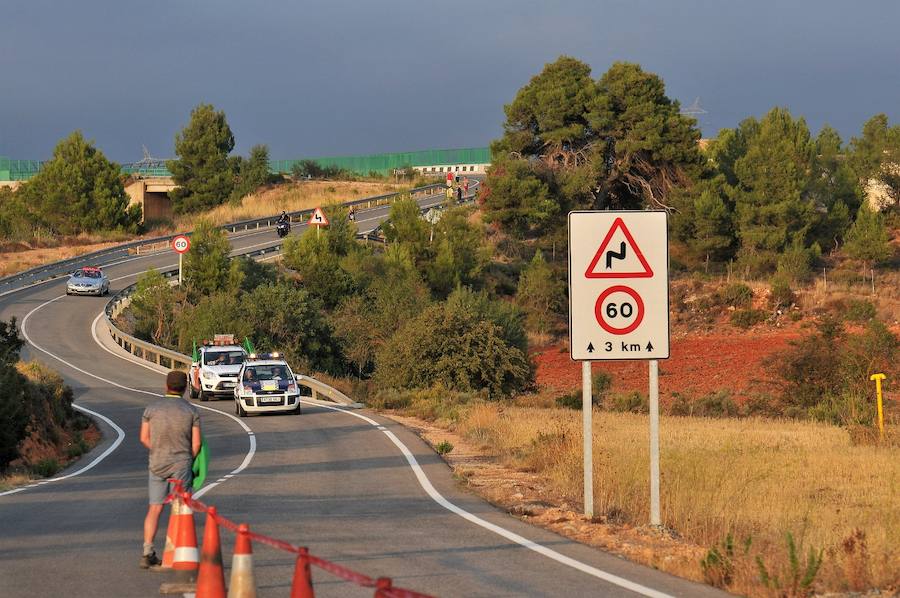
column 223, row 357
column 266, row 372
column 87, row 274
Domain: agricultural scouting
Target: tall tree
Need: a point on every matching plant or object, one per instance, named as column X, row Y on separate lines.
column 202, row 171
column 79, row 190
column 207, row 269
column 772, row 194
column 616, row 142
column 868, row 239
column 251, row 173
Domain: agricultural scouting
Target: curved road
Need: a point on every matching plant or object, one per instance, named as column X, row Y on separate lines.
column 336, row 481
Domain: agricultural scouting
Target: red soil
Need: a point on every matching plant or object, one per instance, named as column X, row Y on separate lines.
column 698, row 365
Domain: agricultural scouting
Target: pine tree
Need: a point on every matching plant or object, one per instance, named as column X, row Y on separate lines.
column 868, row 239
column 202, row 171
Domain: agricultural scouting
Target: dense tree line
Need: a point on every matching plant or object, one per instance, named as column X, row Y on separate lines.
column 767, row 193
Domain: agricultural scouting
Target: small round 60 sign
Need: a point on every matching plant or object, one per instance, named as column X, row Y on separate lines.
column 181, row 244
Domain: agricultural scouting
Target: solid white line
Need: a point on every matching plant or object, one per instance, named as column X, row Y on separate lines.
column 437, row 497
column 250, row 435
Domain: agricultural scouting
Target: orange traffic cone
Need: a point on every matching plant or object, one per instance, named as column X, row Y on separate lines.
column 171, row 535
column 243, row 584
column 211, row 579
column 302, row 585
column 186, row 561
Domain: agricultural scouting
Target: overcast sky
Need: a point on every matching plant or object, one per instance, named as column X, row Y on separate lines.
column 335, row 77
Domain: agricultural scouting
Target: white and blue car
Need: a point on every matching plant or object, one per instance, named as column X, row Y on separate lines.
column 266, row 384
column 87, row 281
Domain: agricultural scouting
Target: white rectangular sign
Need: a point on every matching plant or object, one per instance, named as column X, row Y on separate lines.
column 618, row 285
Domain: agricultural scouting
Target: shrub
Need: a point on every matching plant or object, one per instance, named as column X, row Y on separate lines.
column 45, row 467
column 736, row 294
column 632, row 402
column 443, row 447
column 432, row 404
column 781, row 294
column 859, row 310
column 448, row 344
column 747, row 318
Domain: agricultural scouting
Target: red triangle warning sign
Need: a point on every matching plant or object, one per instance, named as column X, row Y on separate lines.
column 318, row 218
column 619, row 256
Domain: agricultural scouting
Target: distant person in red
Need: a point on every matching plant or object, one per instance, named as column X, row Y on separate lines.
column 170, row 428
column 466, row 185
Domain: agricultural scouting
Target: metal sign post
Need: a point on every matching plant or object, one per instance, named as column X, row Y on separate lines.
column 181, row 244
column 619, row 309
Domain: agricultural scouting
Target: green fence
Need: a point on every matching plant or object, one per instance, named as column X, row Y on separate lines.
column 20, row 170
column 385, row 163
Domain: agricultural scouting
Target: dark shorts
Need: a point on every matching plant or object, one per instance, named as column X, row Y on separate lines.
column 159, row 488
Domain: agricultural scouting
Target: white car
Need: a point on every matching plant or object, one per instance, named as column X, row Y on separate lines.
column 266, row 384
column 87, row 281
column 215, row 372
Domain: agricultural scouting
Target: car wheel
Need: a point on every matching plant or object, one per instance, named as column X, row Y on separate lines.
column 193, row 392
column 239, row 409
column 203, row 396
column 296, row 411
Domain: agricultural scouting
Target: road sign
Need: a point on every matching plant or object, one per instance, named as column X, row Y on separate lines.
column 181, row 244
column 318, row 218
column 618, row 285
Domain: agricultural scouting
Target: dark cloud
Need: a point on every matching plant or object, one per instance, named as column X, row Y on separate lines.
column 341, row 77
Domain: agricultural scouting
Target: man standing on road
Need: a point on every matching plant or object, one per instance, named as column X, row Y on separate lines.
column 170, row 428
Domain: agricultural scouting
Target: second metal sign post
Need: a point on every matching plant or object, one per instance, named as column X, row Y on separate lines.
column 619, row 309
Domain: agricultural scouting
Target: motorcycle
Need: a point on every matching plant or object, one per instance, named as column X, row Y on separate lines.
column 283, row 228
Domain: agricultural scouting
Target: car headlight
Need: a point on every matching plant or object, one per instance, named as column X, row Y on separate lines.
column 292, row 387
column 208, row 375
column 247, row 389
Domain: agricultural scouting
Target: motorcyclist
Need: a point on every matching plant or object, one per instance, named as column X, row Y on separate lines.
column 283, row 218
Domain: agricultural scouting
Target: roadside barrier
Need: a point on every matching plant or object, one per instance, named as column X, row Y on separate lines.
column 242, row 578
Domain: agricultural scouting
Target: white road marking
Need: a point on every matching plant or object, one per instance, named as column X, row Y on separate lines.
column 437, row 497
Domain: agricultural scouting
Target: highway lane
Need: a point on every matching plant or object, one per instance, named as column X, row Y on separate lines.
column 326, row 479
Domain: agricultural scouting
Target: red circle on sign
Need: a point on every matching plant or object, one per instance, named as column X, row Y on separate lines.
column 181, row 244
column 598, row 310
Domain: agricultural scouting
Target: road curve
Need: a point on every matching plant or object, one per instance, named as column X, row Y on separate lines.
column 328, row 479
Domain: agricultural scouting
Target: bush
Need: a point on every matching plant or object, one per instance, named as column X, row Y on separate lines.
column 781, row 296
column 736, row 294
column 443, row 447
column 859, row 310
column 632, row 402
column 747, row 318
column 45, row 467
column 714, row 404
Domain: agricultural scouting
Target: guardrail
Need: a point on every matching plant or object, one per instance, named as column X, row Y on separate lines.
column 33, row 275
column 174, row 360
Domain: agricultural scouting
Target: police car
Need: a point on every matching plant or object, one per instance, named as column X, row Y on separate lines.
column 89, row 280
column 266, row 384
column 215, row 369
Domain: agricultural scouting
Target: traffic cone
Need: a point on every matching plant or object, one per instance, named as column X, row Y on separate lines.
column 186, row 561
column 243, row 585
column 211, row 579
column 302, row 586
column 171, row 535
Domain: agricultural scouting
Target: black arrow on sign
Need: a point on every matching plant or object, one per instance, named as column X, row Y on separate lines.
column 649, row 347
column 590, row 347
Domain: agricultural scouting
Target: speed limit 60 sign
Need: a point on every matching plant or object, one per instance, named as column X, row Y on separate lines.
column 618, row 285
column 181, row 244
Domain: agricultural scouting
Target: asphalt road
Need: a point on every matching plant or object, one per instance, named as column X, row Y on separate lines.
column 333, row 480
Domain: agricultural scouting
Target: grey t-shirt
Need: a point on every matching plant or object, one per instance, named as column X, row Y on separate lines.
column 171, row 420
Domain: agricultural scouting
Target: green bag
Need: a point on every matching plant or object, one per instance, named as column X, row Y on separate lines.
column 201, row 464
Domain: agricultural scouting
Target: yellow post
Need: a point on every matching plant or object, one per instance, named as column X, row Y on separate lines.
column 878, row 378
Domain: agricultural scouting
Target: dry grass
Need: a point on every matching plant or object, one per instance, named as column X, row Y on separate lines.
column 17, row 261
column 14, row 480
column 751, row 478
column 290, row 197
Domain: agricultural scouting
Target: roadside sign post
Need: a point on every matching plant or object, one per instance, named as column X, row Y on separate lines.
column 181, row 244
column 318, row 219
column 619, row 309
